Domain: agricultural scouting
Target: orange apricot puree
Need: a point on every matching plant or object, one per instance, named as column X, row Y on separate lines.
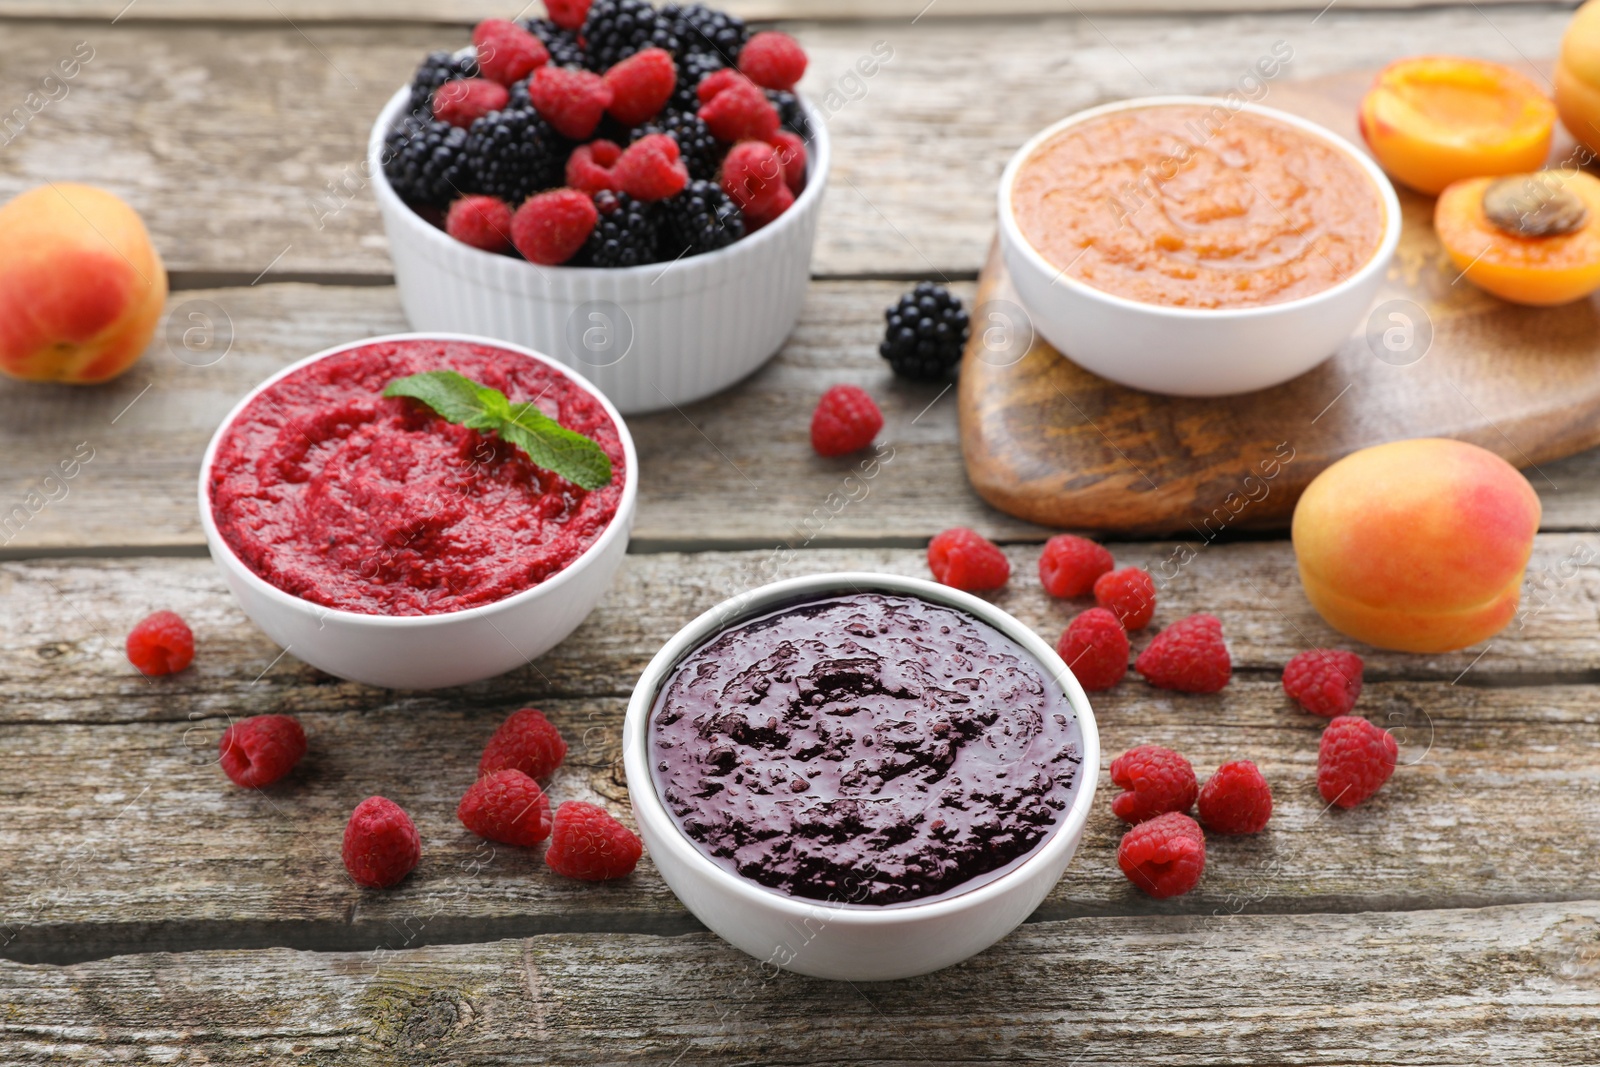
column 1193, row 206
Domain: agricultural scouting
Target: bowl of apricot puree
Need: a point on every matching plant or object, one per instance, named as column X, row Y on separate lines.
column 1195, row 246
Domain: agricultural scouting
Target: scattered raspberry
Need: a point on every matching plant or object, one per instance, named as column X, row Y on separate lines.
column 162, row 643
column 1236, row 799
column 965, row 559
column 649, row 169
column 526, row 742
column 641, row 85
column 773, row 60
column 1129, row 594
column 758, row 215
column 465, row 100
column 508, row 807
column 381, row 845
column 572, row 101
column 846, row 420
column 589, row 167
column 568, row 14
column 1188, row 656
column 1164, row 856
column 550, row 228
column 740, row 112
column 587, row 843
column 1069, row 565
column 791, row 152
column 1095, row 647
column 258, row 751
column 716, row 81
column 1324, row 681
column 1157, row 780
column 752, row 175
column 480, row 221
column 507, row 53
column 1354, row 760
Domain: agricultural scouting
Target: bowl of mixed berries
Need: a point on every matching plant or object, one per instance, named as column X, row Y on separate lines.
column 630, row 190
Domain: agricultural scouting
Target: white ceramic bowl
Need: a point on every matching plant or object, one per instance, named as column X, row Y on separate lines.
column 857, row 943
column 650, row 337
column 1191, row 351
column 429, row 651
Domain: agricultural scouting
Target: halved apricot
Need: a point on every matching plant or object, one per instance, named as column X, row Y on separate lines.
column 1495, row 246
column 1433, row 120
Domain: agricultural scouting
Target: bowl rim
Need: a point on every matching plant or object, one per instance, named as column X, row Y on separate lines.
column 818, row 162
column 1057, row 846
column 619, row 526
column 1377, row 262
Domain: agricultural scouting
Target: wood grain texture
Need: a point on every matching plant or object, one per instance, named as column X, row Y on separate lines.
column 1514, row 985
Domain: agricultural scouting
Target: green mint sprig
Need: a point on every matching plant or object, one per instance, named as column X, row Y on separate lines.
column 549, row 444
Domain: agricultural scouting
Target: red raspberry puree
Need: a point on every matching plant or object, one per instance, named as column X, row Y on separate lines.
column 864, row 749
column 337, row 494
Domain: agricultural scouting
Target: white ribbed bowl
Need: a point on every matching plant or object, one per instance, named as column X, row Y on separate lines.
column 648, row 337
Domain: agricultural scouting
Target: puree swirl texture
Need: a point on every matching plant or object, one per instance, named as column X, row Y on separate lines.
column 864, row 749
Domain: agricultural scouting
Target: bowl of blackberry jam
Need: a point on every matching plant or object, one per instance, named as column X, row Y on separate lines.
column 633, row 190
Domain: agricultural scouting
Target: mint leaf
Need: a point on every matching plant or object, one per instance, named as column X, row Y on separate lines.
column 549, row 445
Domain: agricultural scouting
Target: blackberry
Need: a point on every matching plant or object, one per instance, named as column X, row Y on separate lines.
column 625, row 234
column 436, row 69
column 699, row 149
column 563, row 46
column 426, row 161
column 926, row 332
column 692, row 67
column 616, row 29
column 702, row 218
column 514, row 153
column 699, row 29
column 790, row 113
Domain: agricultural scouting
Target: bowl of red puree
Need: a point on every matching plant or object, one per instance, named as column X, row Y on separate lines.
column 386, row 541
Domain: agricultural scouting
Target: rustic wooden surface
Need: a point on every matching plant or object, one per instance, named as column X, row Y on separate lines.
column 149, row 911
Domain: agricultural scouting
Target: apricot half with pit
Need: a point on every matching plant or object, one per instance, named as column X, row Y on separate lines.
column 1529, row 238
column 1416, row 545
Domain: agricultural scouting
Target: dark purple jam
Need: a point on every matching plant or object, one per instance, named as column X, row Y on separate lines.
column 865, row 749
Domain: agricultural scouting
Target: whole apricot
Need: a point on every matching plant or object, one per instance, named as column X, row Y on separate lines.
column 1578, row 76
column 81, row 286
column 1416, row 545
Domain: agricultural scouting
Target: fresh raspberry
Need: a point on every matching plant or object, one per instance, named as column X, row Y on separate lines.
column 1157, row 780
column 1095, row 647
column 965, row 559
column 791, row 151
column 773, row 60
column 716, row 81
column 1236, row 799
column 480, row 221
column 550, row 228
column 740, row 112
column 1129, row 594
column 1188, row 656
column 649, row 169
column 846, row 420
column 587, row 843
column 162, row 643
column 568, row 14
column 508, row 807
column 641, row 85
column 573, row 101
column 1164, row 856
column 465, row 100
column 381, row 845
column 1354, row 760
column 1069, row 565
column 507, row 53
column 752, row 175
column 258, row 751
column 589, row 167
column 758, row 215
column 526, row 742
column 1324, row 681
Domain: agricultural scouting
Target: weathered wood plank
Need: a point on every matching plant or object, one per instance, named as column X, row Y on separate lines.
column 1506, row 985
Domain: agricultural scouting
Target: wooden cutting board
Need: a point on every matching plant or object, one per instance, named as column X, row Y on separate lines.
column 1049, row 442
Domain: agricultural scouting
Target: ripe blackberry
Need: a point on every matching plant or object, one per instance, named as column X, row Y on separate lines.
column 692, row 66
column 625, row 234
column 700, row 151
column 699, row 29
column 435, row 70
column 426, row 161
column 702, row 218
column 616, row 29
column 514, row 153
column 563, row 46
column 790, row 113
column 926, row 332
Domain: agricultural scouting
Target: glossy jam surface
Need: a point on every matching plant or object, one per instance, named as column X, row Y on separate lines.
column 1198, row 207
column 341, row 496
column 864, row 749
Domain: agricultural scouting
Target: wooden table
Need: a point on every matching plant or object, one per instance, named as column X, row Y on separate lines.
column 152, row 912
